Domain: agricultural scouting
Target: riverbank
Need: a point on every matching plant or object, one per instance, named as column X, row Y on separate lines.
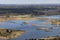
column 2, row 19
column 53, row 22
column 8, row 33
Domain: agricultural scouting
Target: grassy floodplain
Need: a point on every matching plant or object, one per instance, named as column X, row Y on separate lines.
column 20, row 17
column 9, row 33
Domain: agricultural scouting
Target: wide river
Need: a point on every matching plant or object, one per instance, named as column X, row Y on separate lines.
column 31, row 31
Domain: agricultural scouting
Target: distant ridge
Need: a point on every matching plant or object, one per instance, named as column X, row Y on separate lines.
column 22, row 6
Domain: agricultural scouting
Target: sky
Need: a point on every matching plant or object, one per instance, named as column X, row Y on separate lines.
column 29, row 1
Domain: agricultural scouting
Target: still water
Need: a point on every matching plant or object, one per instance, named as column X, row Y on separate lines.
column 31, row 31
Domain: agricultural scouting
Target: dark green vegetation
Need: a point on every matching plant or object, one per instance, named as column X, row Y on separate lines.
column 29, row 9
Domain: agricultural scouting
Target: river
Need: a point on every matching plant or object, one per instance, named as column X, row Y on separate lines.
column 31, row 31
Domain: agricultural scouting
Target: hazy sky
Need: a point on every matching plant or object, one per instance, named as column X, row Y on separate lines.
column 29, row 1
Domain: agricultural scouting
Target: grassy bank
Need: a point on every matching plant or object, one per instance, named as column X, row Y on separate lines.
column 26, row 17
column 8, row 33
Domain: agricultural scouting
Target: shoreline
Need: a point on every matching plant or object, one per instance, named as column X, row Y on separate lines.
column 9, row 33
column 21, row 18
